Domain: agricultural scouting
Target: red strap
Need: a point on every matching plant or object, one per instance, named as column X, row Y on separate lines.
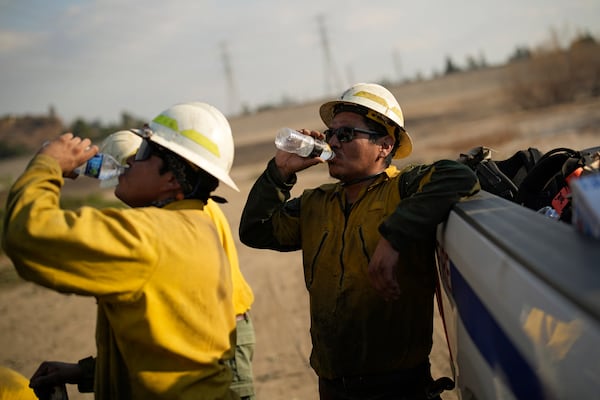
column 562, row 198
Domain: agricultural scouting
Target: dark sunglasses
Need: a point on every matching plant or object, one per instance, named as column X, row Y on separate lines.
column 346, row 134
column 146, row 150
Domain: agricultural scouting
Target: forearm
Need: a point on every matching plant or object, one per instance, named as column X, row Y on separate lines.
column 71, row 250
column 267, row 197
column 431, row 192
column 33, row 196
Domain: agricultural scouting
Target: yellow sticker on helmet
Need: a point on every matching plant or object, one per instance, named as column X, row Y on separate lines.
column 381, row 101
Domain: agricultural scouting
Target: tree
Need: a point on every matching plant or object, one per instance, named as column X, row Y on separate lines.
column 450, row 66
column 521, row 53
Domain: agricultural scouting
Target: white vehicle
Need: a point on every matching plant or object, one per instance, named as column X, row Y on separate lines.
column 521, row 303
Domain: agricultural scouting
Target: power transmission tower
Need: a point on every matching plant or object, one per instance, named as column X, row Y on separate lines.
column 332, row 78
column 397, row 64
column 232, row 93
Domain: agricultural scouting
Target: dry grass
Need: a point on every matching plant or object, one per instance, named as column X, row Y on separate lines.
column 556, row 76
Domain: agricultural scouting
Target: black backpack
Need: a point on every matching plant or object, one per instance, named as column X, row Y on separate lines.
column 547, row 184
column 501, row 178
column 532, row 179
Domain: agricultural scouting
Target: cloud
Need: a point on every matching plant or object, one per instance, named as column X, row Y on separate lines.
column 92, row 58
column 12, row 41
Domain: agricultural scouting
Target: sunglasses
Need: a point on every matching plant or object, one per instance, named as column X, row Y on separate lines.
column 346, row 134
column 146, row 151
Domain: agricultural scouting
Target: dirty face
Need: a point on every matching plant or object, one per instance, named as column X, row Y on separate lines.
column 357, row 154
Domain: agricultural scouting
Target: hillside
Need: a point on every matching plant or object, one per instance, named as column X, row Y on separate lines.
column 444, row 115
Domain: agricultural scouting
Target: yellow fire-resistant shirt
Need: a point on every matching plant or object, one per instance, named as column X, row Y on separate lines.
column 14, row 386
column 243, row 297
column 160, row 276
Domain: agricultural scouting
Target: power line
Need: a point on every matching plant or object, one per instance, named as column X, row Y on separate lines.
column 332, row 78
column 397, row 64
column 232, row 92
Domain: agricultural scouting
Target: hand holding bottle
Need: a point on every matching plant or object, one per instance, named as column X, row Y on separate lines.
column 296, row 142
column 70, row 152
column 296, row 149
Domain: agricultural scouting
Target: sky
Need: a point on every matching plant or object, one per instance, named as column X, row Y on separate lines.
column 97, row 59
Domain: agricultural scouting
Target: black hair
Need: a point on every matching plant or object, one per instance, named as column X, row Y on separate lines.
column 195, row 182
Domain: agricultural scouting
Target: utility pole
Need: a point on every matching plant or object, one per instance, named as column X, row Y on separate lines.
column 397, row 64
column 232, row 93
column 332, row 79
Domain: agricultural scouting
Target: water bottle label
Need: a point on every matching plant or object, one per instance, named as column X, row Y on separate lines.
column 93, row 166
column 322, row 150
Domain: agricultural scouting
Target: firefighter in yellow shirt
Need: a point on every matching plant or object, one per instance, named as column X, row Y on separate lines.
column 14, row 386
column 122, row 145
column 162, row 280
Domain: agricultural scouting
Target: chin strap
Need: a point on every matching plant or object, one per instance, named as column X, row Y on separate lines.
column 162, row 203
column 218, row 199
column 362, row 179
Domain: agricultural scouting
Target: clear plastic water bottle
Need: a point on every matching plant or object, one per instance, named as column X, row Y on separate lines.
column 101, row 166
column 293, row 141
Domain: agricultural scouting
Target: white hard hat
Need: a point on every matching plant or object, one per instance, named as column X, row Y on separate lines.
column 197, row 132
column 381, row 106
column 121, row 145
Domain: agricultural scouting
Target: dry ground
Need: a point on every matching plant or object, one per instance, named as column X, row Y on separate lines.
column 444, row 117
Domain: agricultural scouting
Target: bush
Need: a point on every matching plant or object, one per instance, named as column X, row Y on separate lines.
column 557, row 76
column 8, row 150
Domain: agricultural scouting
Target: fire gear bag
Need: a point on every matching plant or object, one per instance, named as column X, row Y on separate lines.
column 531, row 179
column 547, row 184
column 501, row 178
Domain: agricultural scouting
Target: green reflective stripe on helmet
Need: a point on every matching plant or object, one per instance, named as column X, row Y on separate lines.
column 167, row 121
column 381, row 101
column 202, row 140
column 191, row 134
